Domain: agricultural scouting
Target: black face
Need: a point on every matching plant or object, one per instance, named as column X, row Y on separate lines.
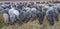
column 58, row 9
column 50, row 5
column 7, row 3
column 32, row 3
column 25, row 10
column 38, row 2
column 13, row 5
column 42, row 2
column 19, row 5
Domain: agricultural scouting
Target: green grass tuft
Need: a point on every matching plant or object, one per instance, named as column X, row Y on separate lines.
column 1, row 21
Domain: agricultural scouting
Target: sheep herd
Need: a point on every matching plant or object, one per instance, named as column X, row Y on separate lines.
column 21, row 12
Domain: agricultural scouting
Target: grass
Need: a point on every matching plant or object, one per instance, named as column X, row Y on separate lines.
column 1, row 21
column 31, row 25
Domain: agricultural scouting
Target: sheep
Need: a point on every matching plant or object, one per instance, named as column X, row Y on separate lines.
column 51, row 14
column 14, row 14
column 5, row 18
column 41, row 17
